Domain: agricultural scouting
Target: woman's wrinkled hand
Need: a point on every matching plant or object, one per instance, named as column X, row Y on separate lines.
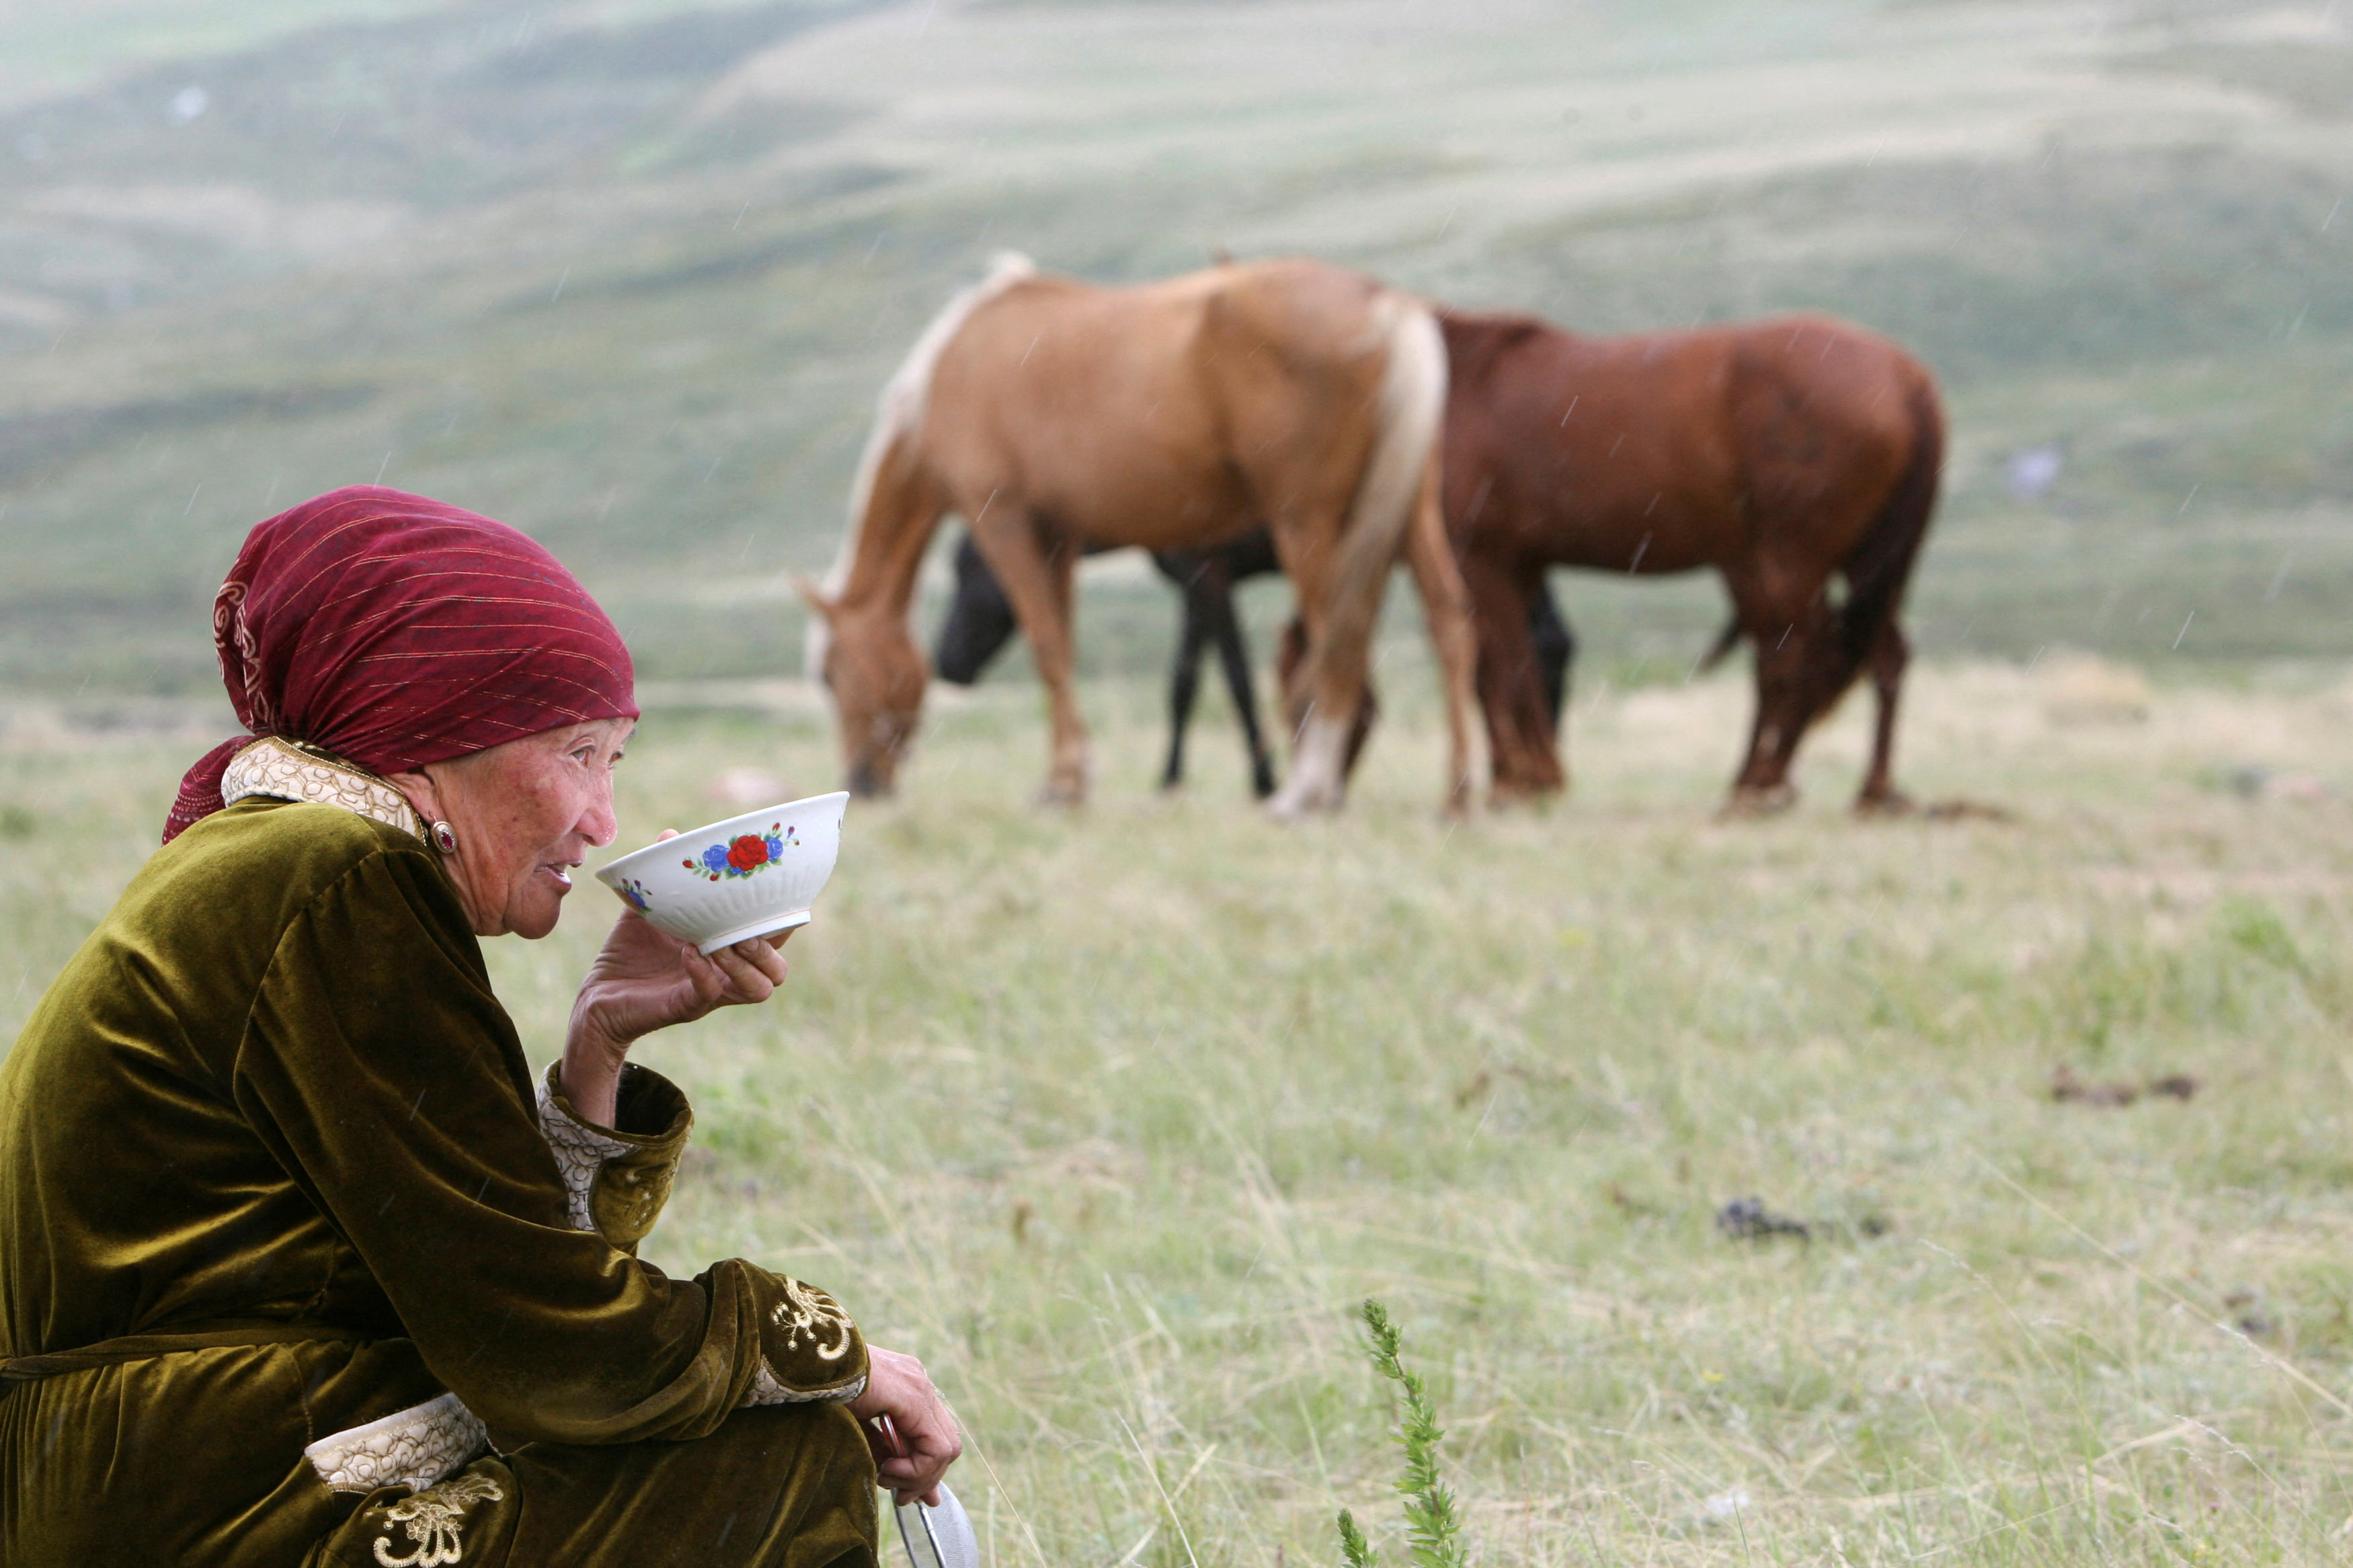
column 925, row 1429
column 643, row 979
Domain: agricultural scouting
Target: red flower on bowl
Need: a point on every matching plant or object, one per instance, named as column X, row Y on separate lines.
column 748, row 853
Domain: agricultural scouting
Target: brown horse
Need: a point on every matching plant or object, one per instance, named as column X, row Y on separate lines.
column 1784, row 453
column 1050, row 413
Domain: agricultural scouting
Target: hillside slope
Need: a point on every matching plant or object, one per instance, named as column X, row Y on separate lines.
column 629, row 274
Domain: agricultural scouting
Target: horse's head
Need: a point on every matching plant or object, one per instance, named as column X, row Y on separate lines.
column 876, row 675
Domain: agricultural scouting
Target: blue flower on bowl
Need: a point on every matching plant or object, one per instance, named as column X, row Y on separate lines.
column 633, row 893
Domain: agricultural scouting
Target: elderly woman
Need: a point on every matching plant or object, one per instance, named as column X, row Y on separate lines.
column 296, row 1264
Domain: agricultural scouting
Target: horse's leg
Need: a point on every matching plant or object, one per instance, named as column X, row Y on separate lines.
column 1556, row 647
column 1212, row 601
column 1067, row 785
column 1889, row 654
column 1037, row 580
column 1290, row 659
column 1446, row 605
column 1326, row 683
column 1184, row 686
column 1289, row 656
column 1523, row 766
column 1786, row 625
column 1530, row 693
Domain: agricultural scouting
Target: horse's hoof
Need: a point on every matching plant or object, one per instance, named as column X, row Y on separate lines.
column 1297, row 806
column 1061, row 797
column 1505, row 794
column 1893, row 804
column 1749, row 803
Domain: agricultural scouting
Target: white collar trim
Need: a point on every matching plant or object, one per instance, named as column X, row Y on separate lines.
column 273, row 767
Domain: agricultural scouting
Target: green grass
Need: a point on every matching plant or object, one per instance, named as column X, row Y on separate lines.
column 1115, row 1117
column 1433, row 1524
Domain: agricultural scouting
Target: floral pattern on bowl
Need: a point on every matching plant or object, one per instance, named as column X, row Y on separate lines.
column 747, row 855
column 730, row 881
column 633, row 893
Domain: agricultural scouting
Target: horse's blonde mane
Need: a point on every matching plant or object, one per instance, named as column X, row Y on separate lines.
column 899, row 412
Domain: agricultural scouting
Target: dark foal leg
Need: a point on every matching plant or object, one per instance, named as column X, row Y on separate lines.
column 1252, row 555
column 1236, row 655
column 1889, row 654
column 1184, row 686
column 1212, row 601
column 1206, row 578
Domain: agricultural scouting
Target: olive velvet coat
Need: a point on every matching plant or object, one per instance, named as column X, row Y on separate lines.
column 298, row 1266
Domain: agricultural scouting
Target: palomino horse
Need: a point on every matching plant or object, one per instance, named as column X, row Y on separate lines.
column 1784, row 453
column 1047, row 411
column 980, row 622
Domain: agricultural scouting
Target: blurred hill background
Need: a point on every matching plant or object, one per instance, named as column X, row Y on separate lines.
column 629, row 273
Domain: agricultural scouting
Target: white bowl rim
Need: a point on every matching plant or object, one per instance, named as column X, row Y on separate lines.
column 728, row 826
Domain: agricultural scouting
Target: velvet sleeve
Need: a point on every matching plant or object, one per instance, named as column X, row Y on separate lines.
column 389, row 1080
column 617, row 1179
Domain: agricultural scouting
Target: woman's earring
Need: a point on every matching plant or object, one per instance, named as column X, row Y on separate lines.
column 445, row 838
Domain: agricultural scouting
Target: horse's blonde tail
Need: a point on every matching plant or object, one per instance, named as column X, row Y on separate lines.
column 1405, row 443
column 1411, row 411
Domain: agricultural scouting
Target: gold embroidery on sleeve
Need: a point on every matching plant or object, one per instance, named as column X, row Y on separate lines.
column 808, row 1310
column 431, row 1521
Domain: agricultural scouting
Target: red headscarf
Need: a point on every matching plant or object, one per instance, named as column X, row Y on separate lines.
column 396, row 631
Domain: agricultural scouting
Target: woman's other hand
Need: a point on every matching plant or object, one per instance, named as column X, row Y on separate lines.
column 897, row 1386
column 645, row 979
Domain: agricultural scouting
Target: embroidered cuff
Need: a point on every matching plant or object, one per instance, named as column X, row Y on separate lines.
column 615, row 1181
column 412, row 1447
column 810, row 1350
column 766, row 1390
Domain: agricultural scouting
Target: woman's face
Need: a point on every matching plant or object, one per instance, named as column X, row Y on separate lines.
column 525, row 813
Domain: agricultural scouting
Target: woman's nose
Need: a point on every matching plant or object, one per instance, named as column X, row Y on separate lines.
column 601, row 823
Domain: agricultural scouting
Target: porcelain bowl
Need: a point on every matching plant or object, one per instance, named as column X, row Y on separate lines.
column 749, row 875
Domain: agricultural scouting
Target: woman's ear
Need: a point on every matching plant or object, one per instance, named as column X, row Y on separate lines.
column 423, row 798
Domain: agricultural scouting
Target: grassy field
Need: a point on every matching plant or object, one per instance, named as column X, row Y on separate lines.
column 1113, row 1117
